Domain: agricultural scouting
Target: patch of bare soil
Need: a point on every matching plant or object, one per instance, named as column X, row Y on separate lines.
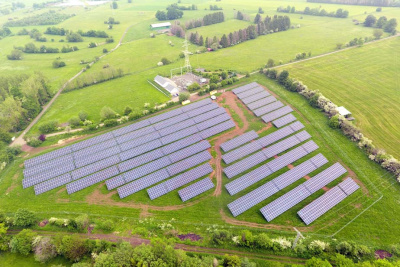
column 192, row 237
column 357, row 205
column 14, row 183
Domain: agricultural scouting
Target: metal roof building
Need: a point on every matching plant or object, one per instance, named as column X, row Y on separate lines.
column 344, row 112
column 159, row 26
column 167, row 85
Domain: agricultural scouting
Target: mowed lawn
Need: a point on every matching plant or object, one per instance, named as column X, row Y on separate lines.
column 366, row 81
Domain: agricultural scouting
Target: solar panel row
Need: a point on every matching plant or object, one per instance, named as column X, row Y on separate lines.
column 238, row 141
column 195, row 189
column 135, row 134
column 94, row 149
column 178, row 145
column 208, row 115
column 41, row 177
column 198, row 111
column 262, row 102
column 91, row 141
column 139, row 141
column 94, row 167
column 217, row 129
column 46, row 157
column 327, row 201
column 52, row 183
column 140, row 150
column 179, row 180
column 92, row 179
column 285, row 144
column 280, row 134
column 268, row 108
column 284, row 120
column 166, row 115
column 189, row 151
column 244, row 88
column 241, row 152
column 47, row 166
column 131, row 128
column 140, row 160
column 176, row 127
column 268, row 189
column 301, row 192
column 255, row 97
column 250, row 92
column 97, row 156
column 276, row 114
column 196, row 105
column 168, row 122
column 214, row 121
column 188, row 163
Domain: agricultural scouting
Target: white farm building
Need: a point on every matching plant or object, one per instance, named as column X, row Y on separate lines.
column 167, row 85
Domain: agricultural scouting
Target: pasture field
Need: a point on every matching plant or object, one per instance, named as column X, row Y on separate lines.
column 220, row 29
column 365, row 81
column 98, row 202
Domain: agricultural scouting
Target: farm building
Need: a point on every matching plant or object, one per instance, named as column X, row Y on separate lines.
column 167, row 85
column 344, row 112
column 161, row 26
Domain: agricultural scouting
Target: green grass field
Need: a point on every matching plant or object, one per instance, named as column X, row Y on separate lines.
column 365, row 81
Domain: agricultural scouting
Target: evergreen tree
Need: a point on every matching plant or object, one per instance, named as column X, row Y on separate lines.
column 257, row 19
column 201, row 41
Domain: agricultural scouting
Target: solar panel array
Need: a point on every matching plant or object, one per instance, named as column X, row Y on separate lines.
column 268, row 189
column 255, row 97
column 195, row 189
column 284, row 120
column 327, row 201
column 238, row 141
column 250, row 92
column 268, row 108
column 267, row 169
column 244, row 88
column 276, row 114
column 301, row 192
column 261, row 102
column 265, row 154
column 141, row 146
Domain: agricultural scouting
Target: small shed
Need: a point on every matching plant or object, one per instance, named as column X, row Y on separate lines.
column 344, row 112
column 161, row 26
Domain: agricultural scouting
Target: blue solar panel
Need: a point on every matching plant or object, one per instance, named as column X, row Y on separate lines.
column 48, row 165
column 189, row 151
column 92, row 179
column 276, row 114
column 208, row 115
column 325, row 177
column 349, row 186
column 131, row 128
column 165, row 115
column 188, row 163
column 262, row 102
column 195, row 189
column 171, row 121
column 52, row 183
column 250, row 92
column 140, row 150
column 92, row 141
column 241, row 152
column 284, row 120
column 286, row 144
column 135, row 134
column 142, row 183
column 217, row 129
column 177, row 127
column 140, row 160
column 268, row 108
column 94, row 149
column 115, row 182
column 255, row 97
column 96, row 157
column 46, row 157
column 146, row 169
column 95, row 167
column 244, row 88
column 244, row 164
column 211, row 122
column 41, row 177
column 278, row 135
column 248, row 179
column 196, row 105
column 201, row 110
column 238, row 141
column 139, row 141
column 178, row 145
column 179, row 135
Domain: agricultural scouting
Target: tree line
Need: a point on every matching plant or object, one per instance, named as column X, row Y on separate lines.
column 381, row 23
column 173, row 12
column 208, row 19
column 47, row 18
column 317, row 11
column 359, row 2
column 62, row 32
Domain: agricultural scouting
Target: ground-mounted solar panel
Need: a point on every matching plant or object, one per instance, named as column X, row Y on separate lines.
column 130, row 128
column 171, row 121
column 255, row 97
column 178, row 145
column 349, row 186
column 275, row 136
column 310, row 146
column 219, row 128
column 250, row 92
column 52, row 183
column 134, row 152
column 198, row 111
column 189, row 151
column 299, row 171
column 321, row 205
column 41, row 177
column 142, row 183
column 248, row 179
column 285, row 144
column 214, row 121
column 296, row 126
column 276, row 114
column 238, row 141
column 188, row 163
column 92, row 179
column 146, row 169
column 251, row 199
column 133, row 144
column 244, row 164
column 188, row 177
column 94, row 149
column 268, row 108
column 284, row 203
column 262, row 102
column 284, row 120
column 325, row 177
column 48, row 165
column 244, row 88
column 92, row 141
column 196, row 105
column 157, row 191
column 140, row 160
column 46, row 157
column 209, row 115
column 177, row 127
column 196, row 189
column 179, row 135
column 94, row 167
column 166, row 115
column 135, row 134
column 97, row 156
column 115, row 182
column 241, row 152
